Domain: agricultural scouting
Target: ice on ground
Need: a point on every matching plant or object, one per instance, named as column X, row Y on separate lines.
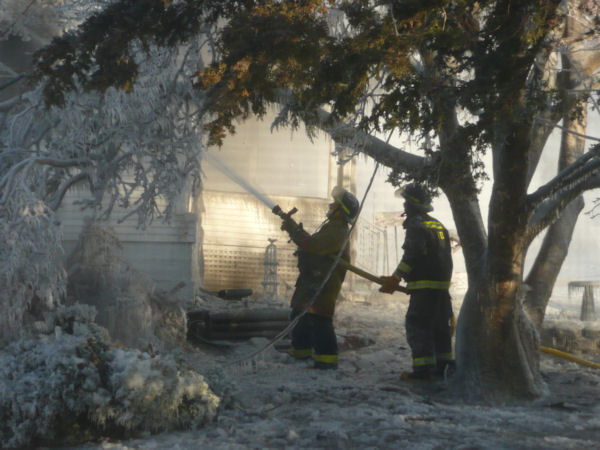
column 276, row 402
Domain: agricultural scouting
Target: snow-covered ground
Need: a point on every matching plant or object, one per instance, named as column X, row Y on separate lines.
column 276, row 402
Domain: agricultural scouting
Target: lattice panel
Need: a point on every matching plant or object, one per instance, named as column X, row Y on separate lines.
column 236, row 229
column 235, row 267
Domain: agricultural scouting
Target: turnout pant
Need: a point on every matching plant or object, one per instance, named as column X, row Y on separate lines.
column 314, row 336
column 428, row 329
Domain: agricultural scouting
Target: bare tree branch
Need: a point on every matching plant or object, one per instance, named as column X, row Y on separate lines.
column 550, row 209
column 582, row 168
column 378, row 149
column 12, row 81
column 566, row 130
column 9, row 30
column 8, row 180
column 60, row 194
column 9, row 104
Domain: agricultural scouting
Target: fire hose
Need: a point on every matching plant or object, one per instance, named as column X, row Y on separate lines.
column 568, row 356
column 342, row 262
column 548, row 350
column 237, row 179
column 369, row 276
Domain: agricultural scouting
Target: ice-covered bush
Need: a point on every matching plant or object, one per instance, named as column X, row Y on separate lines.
column 127, row 304
column 32, row 277
column 68, row 385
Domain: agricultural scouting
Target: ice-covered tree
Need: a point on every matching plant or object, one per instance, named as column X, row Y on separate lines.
column 64, row 381
column 39, row 21
column 127, row 147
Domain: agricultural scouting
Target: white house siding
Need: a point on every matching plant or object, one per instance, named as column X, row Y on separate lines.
column 289, row 170
column 274, row 163
column 165, row 252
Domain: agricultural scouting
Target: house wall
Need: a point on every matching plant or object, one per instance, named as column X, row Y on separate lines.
column 166, row 252
column 290, row 170
column 237, row 228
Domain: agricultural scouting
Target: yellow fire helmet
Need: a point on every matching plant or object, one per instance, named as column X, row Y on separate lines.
column 347, row 202
column 416, row 195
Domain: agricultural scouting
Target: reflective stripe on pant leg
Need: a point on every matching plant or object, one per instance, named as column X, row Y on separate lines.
column 301, row 353
column 326, row 359
column 420, row 325
column 424, row 364
column 424, row 361
column 324, row 341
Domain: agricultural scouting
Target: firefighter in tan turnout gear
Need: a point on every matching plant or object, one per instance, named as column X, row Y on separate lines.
column 426, row 266
column 314, row 334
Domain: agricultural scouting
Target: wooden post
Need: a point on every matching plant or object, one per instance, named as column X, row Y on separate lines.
column 588, row 312
column 587, row 304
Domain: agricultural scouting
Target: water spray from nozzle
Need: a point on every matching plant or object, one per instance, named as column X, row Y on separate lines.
column 236, row 178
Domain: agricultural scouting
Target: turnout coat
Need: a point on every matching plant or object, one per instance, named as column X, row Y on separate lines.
column 316, row 255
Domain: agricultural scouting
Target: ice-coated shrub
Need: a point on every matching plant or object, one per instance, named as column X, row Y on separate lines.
column 68, row 385
column 127, row 304
column 31, row 271
column 153, row 394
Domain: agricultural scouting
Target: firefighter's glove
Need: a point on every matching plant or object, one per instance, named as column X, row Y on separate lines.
column 299, row 236
column 390, row 284
column 289, row 225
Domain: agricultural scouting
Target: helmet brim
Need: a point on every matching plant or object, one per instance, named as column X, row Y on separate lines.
column 346, row 201
column 424, row 207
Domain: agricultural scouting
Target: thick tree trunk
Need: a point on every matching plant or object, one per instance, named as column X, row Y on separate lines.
column 496, row 344
column 496, row 349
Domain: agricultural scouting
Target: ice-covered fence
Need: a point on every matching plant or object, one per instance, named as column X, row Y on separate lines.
column 371, row 249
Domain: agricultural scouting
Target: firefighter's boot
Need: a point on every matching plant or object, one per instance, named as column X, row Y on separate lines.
column 325, row 366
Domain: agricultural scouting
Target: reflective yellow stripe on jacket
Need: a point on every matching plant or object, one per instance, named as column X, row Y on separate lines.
column 433, row 224
column 402, row 269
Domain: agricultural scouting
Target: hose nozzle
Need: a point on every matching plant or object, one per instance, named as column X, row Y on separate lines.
column 284, row 215
column 277, row 210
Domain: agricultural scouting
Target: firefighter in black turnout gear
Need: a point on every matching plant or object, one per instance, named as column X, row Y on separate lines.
column 314, row 335
column 426, row 266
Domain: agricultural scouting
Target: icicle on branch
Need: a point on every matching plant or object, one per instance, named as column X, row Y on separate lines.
column 584, row 166
column 552, row 198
